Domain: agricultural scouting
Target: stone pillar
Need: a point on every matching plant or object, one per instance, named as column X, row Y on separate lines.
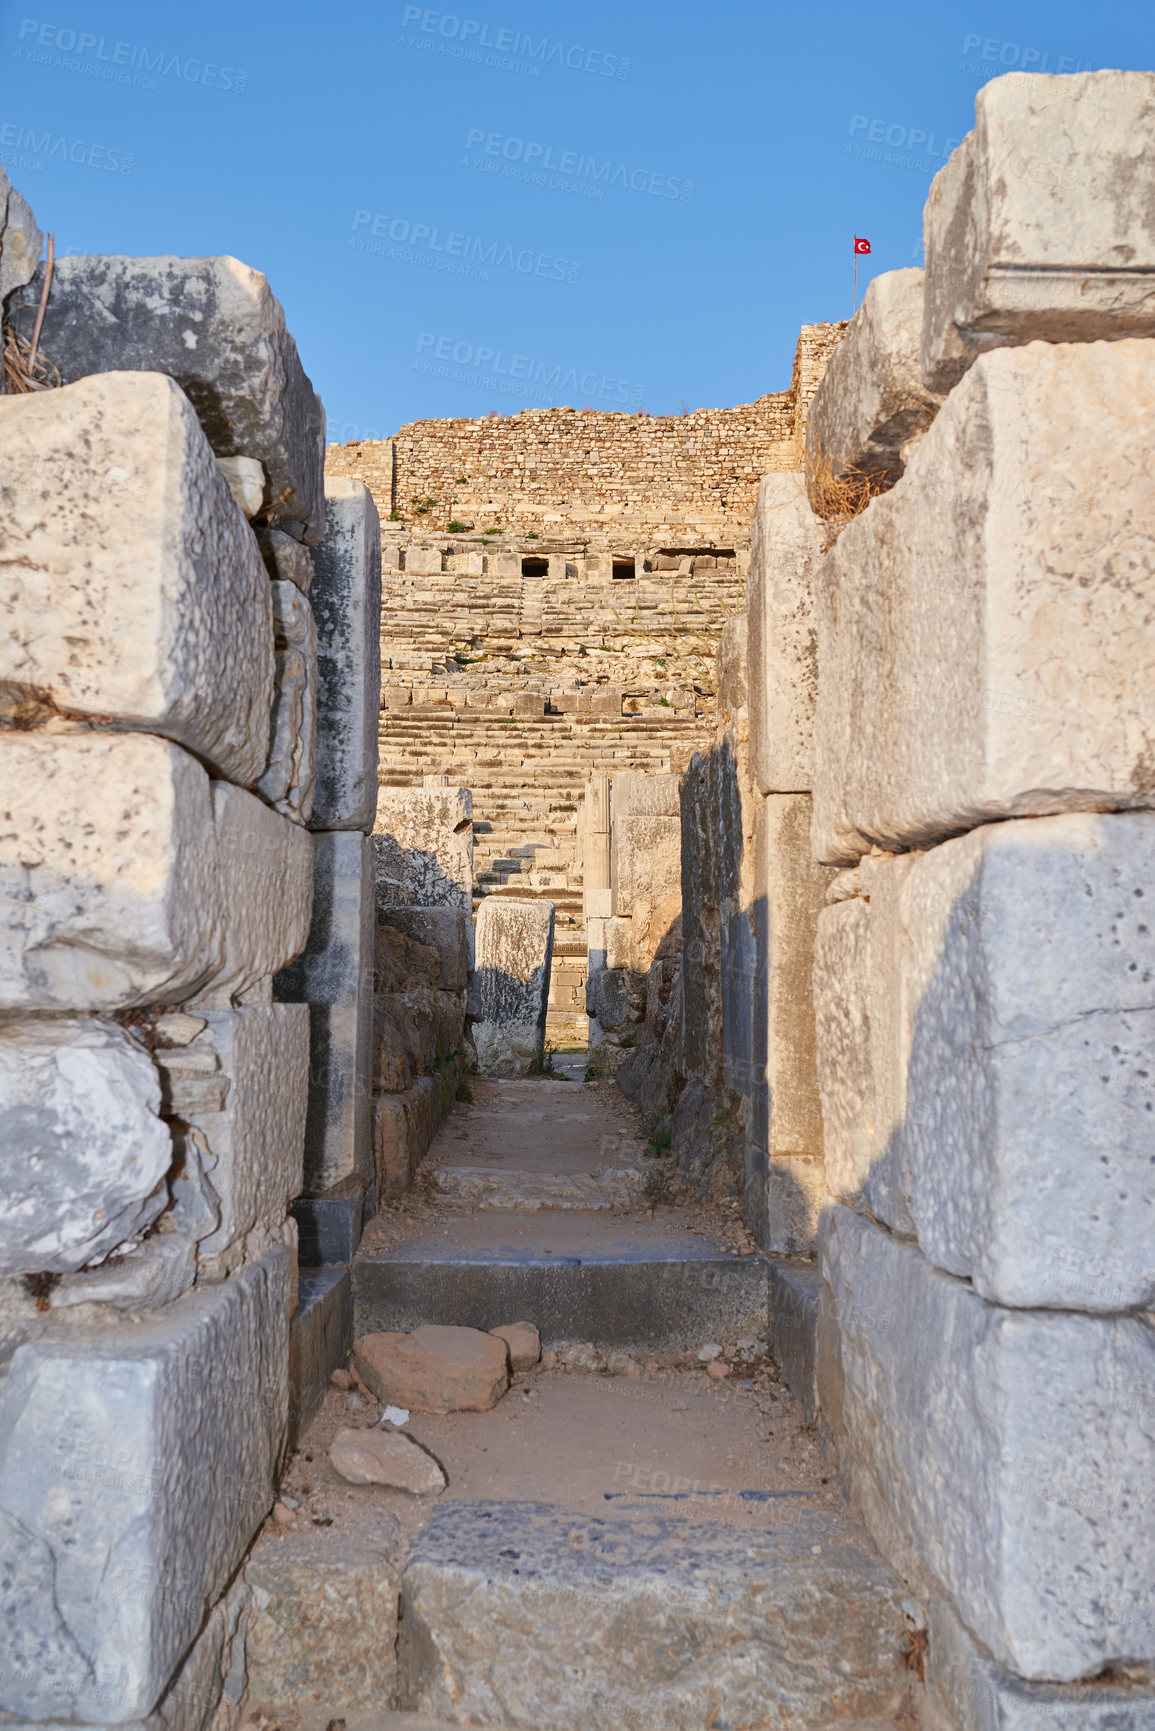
column 511, row 984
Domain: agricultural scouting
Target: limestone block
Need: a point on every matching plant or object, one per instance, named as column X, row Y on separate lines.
column 1008, row 687
column 663, row 1623
column 386, row 1457
column 133, row 590
column 251, row 1145
column 439, row 929
column 781, row 644
column 21, row 242
column 246, row 482
column 404, row 1039
column 872, row 399
column 286, row 559
column 84, row 1153
column 289, row 780
column 789, row 891
column 646, row 859
column 523, row 1341
column 435, row 1368
column 400, row 964
column 423, row 561
column 324, row 1621
column 346, row 601
column 423, row 844
column 636, row 794
column 404, row 1125
column 266, row 876
column 842, row 993
column 1032, row 1515
column 967, row 1691
column 1039, row 224
column 1024, row 982
column 135, row 1465
column 108, row 874
column 511, row 983
column 142, row 1277
column 214, row 326
column 334, row 976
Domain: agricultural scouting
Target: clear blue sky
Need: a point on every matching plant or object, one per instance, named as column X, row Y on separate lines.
column 521, row 201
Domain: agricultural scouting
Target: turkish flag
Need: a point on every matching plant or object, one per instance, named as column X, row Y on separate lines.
column 861, row 245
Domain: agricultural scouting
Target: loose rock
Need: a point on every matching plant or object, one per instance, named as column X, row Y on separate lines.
column 386, row 1457
column 435, row 1369
column 523, row 1341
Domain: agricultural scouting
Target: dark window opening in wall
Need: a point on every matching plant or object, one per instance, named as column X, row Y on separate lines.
column 697, row 552
column 623, row 568
column 535, row 566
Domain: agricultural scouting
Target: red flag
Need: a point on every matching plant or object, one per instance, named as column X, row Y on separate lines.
column 861, row 245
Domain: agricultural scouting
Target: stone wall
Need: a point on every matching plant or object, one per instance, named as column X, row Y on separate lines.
column 188, row 709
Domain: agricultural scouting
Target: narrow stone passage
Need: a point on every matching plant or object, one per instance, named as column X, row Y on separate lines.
column 641, row 1531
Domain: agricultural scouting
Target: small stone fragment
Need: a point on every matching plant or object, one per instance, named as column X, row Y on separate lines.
column 284, row 1517
column 581, row 1355
column 620, row 1364
column 386, row 1457
column 246, row 479
column 549, row 1360
column 341, row 1379
column 717, row 1370
column 523, row 1341
column 708, row 1352
column 435, row 1369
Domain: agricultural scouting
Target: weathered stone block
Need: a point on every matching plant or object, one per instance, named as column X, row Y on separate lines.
column 109, row 880
column 1039, row 225
column 289, row 780
column 842, row 997
column 872, row 398
column 346, row 601
column 782, row 663
column 636, row 794
column 404, row 1125
column 664, row 1624
column 144, row 1277
column 250, row 1145
column 21, row 242
column 511, row 984
column 334, row 976
column 1008, row 686
column 1032, row 1518
column 320, row 1336
column 286, row 559
column 423, row 843
column 84, row 1152
column 133, row 590
column 266, row 880
column 435, row 1368
column 439, row 929
column 404, row 1039
column 646, row 855
column 324, row 1621
column 135, row 1465
column 214, row 326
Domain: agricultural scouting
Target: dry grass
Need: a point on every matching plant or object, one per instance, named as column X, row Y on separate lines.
column 839, row 498
column 25, row 368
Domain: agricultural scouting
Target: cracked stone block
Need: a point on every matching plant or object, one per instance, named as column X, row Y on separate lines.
column 285, row 558
column 1039, row 225
column 872, row 398
column 334, row 976
column 149, row 1275
column 214, row 326
column 1013, row 985
column 1011, row 685
column 109, row 882
column 324, row 1620
column 842, row 1043
column 136, row 1463
column 289, row 780
column 346, row 601
column 21, row 242
column 250, row 1140
column 511, row 984
column 788, row 542
column 132, row 590
column 439, row 929
column 423, row 845
column 661, row 1624
column 1034, row 1516
column 266, row 874
column 967, row 1691
column 84, row 1151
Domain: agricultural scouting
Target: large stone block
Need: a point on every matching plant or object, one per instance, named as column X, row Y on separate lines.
column 334, row 976
column 423, row 843
column 238, row 1090
column 646, row 855
column 404, row 1125
column 290, row 774
column 872, row 398
column 1040, row 224
column 842, row 993
column 215, row 327
column 135, row 1465
column 511, row 984
column 21, row 242
column 266, row 883
column 1007, row 1454
column 1009, row 686
column 109, row 881
column 83, row 1154
column 132, row 589
column 441, row 929
column 346, row 601
column 788, row 893
column 788, row 543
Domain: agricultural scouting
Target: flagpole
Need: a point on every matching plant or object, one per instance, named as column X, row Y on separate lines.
column 854, row 250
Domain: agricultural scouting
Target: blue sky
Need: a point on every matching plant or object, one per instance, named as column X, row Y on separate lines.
column 520, row 202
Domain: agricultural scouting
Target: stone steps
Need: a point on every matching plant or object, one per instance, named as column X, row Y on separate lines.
column 533, row 1192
